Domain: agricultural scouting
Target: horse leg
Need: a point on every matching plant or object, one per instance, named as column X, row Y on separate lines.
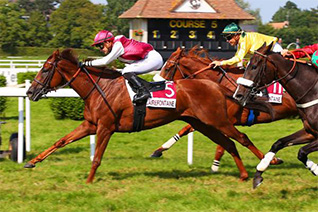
column 184, row 131
column 84, row 129
column 303, row 156
column 299, row 137
column 219, row 152
column 103, row 134
column 219, row 138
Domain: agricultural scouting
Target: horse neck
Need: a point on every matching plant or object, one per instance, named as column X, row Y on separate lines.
column 217, row 76
column 83, row 84
column 294, row 82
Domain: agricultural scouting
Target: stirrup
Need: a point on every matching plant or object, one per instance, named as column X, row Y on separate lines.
column 141, row 97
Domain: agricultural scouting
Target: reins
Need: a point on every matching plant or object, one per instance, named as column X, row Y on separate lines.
column 286, row 75
column 46, row 87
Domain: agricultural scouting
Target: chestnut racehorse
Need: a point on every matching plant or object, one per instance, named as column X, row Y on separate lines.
column 194, row 64
column 301, row 82
column 108, row 108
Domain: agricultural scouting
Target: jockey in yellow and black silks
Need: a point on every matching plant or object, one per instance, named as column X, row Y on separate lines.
column 247, row 43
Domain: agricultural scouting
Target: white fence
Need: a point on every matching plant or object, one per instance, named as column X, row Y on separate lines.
column 21, row 94
column 10, row 68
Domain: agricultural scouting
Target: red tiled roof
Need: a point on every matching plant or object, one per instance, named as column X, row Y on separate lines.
column 279, row 25
column 225, row 9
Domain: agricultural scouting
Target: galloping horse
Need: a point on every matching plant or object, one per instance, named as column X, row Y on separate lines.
column 301, row 82
column 194, row 64
column 108, row 108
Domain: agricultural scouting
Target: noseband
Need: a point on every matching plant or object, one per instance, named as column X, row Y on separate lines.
column 46, row 83
column 175, row 68
column 251, row 84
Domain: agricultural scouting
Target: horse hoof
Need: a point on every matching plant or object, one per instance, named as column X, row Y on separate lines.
column 277, row 161
column 214, row 169
column 258, row 179
column 29, row 165
column 156, row 154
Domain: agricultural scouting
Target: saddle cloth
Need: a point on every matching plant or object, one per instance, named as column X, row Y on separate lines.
column 166, row 98
column 275, row 93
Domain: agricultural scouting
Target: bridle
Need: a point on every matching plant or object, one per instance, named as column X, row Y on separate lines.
column 176, row 67
column 256, row 88
column 46, row 84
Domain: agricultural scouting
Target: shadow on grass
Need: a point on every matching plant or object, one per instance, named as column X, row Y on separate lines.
column 10, row 118
column 173, row 174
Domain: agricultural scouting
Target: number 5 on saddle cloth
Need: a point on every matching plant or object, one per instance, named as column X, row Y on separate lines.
column 163, row 95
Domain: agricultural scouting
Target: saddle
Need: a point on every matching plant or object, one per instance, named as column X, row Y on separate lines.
column 151, row 86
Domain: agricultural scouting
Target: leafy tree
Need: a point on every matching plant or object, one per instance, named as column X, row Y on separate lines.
column 12, row 27
column 302, row 24
column 38, row 33
column 113, row 9
column 75, row 23
column 46, row 6
column 27, row 5
column 247, row 7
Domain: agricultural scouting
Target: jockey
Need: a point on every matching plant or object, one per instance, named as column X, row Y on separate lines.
column 247, row 42
column 299, row 53
column 139, row 57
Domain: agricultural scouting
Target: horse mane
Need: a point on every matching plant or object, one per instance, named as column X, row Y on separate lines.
column 70, row 55
column 199, row 54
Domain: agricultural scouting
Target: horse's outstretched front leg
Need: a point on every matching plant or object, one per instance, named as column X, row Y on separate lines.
column 184, row 131
column 299, row 137
column 103, row 134
column 81, row 131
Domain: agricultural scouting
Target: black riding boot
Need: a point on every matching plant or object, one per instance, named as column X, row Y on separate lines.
column 142, row 92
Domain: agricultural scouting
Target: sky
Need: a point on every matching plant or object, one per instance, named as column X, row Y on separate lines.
column 267, row 7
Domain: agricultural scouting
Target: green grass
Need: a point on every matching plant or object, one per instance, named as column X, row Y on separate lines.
column 128, row 180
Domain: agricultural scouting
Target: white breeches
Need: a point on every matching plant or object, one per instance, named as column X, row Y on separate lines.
column 153, row 61
column 277, row 48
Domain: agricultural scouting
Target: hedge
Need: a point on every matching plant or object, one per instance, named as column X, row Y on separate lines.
column 40, row 51
column 3, row 100
column 26, row 76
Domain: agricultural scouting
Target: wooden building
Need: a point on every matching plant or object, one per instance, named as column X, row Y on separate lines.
column 168, row 24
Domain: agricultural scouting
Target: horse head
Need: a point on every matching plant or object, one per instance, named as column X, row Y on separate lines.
column 50, row 77
column 259, row 72
column 171, row 70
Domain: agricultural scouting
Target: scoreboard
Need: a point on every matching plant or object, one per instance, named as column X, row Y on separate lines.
column 169, row 34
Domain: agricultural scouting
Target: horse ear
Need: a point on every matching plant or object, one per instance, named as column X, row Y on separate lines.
column 56, row 53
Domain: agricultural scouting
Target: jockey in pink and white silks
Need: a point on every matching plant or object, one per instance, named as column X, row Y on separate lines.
column 139, row 58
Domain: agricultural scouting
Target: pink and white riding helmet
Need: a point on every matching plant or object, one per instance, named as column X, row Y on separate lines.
column 102, row 36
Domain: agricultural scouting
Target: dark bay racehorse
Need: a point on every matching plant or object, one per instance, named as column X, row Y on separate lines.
column 301, row 82
column 108, row 108
column 194, row 64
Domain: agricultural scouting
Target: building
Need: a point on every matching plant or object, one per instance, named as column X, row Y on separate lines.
column 168, row 24
column 279, row 25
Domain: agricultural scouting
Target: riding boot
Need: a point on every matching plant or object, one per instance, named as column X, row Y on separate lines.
column 142, row 92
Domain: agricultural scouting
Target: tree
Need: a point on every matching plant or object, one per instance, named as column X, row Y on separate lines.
column 75, row 23
column 12, row 27
column 113, row 9
column 247, row 7
column 38, row 33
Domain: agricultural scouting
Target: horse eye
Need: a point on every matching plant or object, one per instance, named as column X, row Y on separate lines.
column 254, row 66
